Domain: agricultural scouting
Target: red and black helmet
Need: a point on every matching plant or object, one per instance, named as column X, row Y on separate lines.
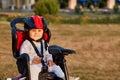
column 20, row 34
column 37, row 22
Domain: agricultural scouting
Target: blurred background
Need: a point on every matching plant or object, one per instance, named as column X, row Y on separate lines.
column 90, row 27
column 14, row 5
column 63, row 11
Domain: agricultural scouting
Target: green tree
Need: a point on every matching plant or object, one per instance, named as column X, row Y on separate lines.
column 63, row 3
column 43, row 7
column 102, row 3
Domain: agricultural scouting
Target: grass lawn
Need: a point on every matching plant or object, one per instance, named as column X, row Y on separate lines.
column 97, row 49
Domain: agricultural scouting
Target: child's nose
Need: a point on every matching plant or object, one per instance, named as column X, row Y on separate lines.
column 36, row 31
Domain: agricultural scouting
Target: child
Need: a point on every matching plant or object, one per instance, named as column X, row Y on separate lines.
column 36, row 30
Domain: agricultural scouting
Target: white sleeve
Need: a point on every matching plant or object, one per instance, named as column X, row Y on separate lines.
column 25, row 48
column 48, row 56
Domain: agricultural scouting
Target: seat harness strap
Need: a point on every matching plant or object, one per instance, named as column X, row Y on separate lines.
column 38, row 53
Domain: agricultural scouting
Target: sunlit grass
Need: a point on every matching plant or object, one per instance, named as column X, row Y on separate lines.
column 97, row 50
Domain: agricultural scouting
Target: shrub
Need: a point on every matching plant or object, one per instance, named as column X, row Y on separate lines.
column 43, row 7
column 12, row 16
column 116, row 9
column 63, row 3
column 77, row 9
column 3, row 19
column 53, row 19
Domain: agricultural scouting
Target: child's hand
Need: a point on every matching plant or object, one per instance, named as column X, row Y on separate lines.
column 50, row 63
column 36, row 60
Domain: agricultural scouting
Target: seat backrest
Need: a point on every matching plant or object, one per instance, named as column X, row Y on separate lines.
column 19, row 35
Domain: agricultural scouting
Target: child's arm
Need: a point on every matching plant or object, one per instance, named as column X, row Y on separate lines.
column 26, row 48
column 49, row 58
column 50, row 63
column 36, row 60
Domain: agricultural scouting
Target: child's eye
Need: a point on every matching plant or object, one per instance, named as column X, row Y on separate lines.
column 33, row 30
column 40, row 30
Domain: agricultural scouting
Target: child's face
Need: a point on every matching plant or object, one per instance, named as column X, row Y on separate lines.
column 36, row 34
